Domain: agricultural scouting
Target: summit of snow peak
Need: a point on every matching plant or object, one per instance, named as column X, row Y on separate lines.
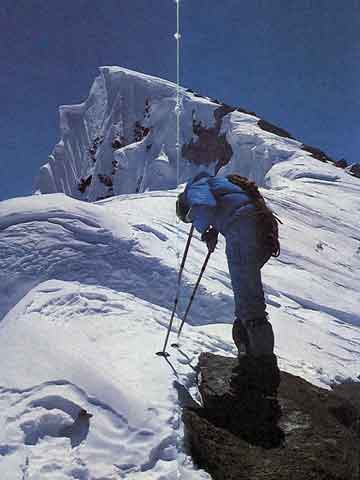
column 112, row 142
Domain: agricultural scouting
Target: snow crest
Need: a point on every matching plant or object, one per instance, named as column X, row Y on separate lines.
column 122, row 139
column 86, row 294
column 87, row 289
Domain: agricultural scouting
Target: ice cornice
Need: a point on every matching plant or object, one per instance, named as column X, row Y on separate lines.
column 113, row 69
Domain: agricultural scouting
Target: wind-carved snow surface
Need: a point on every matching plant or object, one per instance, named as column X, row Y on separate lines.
column 122, row 139
column 87, row 289
column 86, row 295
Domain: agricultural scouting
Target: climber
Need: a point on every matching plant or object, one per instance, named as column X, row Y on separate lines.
column 217, row 205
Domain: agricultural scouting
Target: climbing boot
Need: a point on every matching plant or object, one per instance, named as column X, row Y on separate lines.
column 260, row 337
column 258, row 376
column 268, row 375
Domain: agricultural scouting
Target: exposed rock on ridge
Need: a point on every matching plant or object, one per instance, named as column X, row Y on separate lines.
column 320, row 437
column 110, row 144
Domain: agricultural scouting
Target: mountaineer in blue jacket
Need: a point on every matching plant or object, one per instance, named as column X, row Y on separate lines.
column 217, row 205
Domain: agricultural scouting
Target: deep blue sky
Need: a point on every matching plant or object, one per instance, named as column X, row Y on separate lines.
column 295, row 62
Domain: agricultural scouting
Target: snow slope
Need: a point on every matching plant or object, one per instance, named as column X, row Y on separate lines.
column 86, row 293
column 87, row 289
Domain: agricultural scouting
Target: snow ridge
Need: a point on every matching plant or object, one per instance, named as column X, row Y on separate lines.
column 86, row 289
column 122, row 139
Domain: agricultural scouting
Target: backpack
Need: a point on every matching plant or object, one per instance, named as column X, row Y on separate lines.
column 267, row 230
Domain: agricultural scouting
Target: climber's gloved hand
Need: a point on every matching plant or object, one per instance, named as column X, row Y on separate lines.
column 210, row 236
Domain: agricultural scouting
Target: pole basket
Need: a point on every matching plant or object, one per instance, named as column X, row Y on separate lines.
column 163, row 354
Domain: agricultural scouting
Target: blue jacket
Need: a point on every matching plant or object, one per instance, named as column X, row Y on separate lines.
column 214, row 201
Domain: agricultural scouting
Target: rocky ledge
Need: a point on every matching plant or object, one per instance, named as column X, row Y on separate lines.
column 306, row 433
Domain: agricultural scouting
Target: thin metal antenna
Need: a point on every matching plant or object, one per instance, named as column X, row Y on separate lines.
column 177, row 110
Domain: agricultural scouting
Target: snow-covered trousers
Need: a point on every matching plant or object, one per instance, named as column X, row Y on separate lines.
column 245, row 262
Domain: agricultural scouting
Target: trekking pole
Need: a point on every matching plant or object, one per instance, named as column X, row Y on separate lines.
column 193, row 295
column 163, row 353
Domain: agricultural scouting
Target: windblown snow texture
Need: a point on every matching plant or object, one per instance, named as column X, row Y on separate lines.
column 122, row 139
column 86, row 291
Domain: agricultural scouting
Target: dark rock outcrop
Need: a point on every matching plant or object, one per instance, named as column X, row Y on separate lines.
column 355, row 170
column 350, row 390
column 84, row 183
column 119, row 141
column 140, row 131
column 95, row 146
column 307, row 433
column 210, row 146
column 243, row 110
column 317, row 153
column 341, row 163
column 269, row 127
column 105, row 179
